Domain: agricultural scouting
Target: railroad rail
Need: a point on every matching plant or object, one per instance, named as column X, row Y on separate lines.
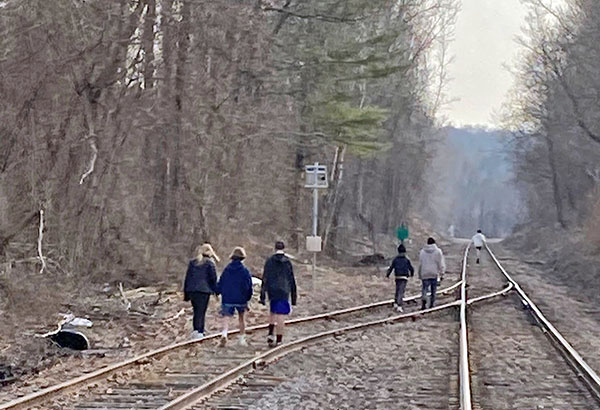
column 199, row 391
column 105, row 372
column 223, row 381
column 463, row 364
column 571, row 356
column 203, row 392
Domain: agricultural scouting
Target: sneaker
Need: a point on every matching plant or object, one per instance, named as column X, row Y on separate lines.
column 395, row 305
column 271, row 340
column 242, row 341
column 197, row 335
column 223, row 341
column 399, row 309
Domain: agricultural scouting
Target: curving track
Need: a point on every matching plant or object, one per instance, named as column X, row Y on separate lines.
column 155, row 378
column 549, row 384
column 490, row 358
column 513, row 365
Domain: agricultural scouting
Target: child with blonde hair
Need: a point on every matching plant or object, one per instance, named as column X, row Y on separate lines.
column 200, row 282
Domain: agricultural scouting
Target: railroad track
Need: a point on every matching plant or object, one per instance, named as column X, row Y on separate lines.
column 510, row 363
column 253, row 384
column 187, row 375
column 155, row 378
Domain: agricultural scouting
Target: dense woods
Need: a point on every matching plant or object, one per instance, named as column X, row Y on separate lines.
column 554, row 116
column 131, row 130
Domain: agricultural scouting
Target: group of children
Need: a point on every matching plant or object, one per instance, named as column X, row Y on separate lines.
column 431, row 270
column 279, row 285
column 235, row 288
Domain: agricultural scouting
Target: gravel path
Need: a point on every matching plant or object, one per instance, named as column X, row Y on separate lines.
column 575, row 317
column 411, row 365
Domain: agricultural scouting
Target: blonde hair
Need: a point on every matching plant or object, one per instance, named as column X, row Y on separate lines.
column 206, row 250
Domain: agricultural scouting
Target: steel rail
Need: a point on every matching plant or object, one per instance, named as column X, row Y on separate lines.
column 87, row 379
column 573, row 358
column 200, row 393
column 463, row 367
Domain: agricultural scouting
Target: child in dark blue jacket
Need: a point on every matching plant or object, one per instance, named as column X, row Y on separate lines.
column 235, row 287
column 402, row 270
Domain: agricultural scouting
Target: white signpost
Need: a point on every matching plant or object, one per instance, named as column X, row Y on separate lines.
column 316, row 178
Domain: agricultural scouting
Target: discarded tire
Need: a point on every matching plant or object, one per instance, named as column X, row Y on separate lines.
column 70, row 339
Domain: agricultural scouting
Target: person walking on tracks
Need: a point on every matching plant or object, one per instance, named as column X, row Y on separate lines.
column 235, row 288
column 402, row 270
column 431, row 268
column 279, row 284
column 201, row 282
column 478, row 240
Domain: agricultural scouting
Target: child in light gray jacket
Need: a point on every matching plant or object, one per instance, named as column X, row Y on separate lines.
column 431, row 268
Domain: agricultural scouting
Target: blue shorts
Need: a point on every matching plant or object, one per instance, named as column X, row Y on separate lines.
column 228, row 309
column 280, row 307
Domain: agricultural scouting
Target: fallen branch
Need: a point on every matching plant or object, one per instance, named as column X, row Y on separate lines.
column 126, row 301
column 181, row 312
column 140, row 311
column 141, row 292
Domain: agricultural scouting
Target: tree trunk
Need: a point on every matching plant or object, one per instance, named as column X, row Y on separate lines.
column 555, row 182
column 148, row 43
column 183, row 43
column 333, row 207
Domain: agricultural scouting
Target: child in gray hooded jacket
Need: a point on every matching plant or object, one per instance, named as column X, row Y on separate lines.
column 431, row 268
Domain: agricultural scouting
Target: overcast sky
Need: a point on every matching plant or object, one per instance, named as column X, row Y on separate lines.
column 485, row 34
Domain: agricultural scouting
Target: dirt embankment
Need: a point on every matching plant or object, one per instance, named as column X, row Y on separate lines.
column 569, row 259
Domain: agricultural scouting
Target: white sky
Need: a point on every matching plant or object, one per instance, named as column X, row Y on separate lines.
column 484, row 42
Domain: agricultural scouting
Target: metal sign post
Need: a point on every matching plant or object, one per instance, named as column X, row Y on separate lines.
column 316, row 178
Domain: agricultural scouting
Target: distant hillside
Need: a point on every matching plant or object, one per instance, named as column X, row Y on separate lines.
column 472, row 183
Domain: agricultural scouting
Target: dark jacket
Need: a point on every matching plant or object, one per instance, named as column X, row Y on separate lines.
column 278, row 279
column 401, row 266
column 235, row 284
column 200, row 277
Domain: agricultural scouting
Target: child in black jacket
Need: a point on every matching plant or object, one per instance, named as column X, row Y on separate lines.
column 402, row 270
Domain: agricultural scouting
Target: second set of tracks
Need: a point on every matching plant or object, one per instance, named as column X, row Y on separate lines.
column 186, row 375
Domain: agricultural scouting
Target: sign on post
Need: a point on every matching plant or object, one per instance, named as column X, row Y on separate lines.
column 402, row 233
column 316, row 176
column 313, row 244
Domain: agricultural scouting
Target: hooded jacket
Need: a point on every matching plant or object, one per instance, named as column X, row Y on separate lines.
column 235, row 284
column 278, row 282
column 201, row 276
column 431, row 262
